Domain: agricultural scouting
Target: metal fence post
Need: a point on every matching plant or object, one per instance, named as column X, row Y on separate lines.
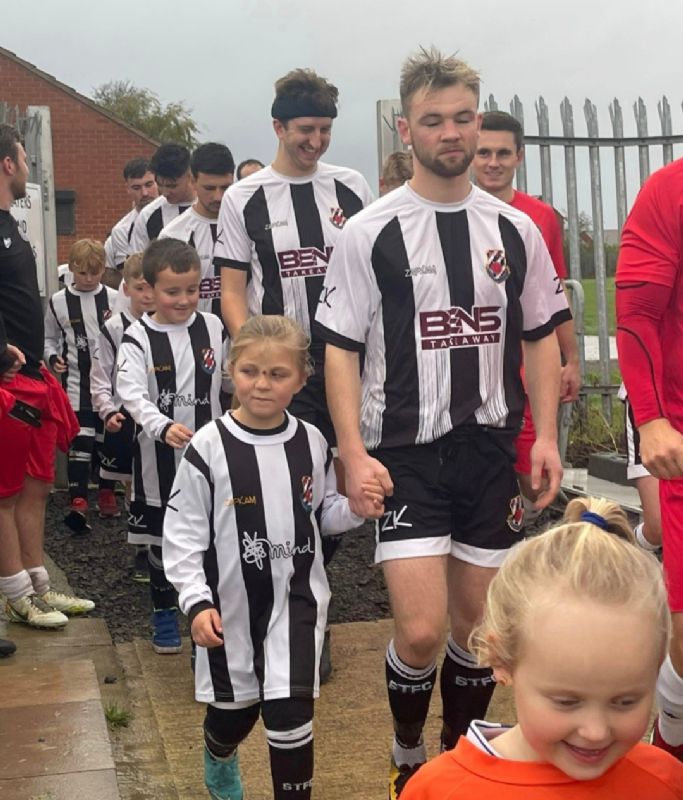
column 619, row 162
column 546, row 164
column 643, row 150
column 664, row 110
column 599, row 255
column 517, row 111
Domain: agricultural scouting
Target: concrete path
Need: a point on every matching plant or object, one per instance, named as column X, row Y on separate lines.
column 352, row 724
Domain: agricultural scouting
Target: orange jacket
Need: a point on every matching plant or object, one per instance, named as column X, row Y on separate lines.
column 645, row 773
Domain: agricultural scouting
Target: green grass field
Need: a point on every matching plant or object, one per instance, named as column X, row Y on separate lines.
column 590, row 317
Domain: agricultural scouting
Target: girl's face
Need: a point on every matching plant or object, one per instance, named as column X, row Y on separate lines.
column 584, row 685
column 266, row 376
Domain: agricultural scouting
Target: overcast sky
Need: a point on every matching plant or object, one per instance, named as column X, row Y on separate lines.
column 222, row 57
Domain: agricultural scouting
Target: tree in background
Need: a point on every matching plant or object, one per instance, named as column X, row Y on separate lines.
column 142, row 109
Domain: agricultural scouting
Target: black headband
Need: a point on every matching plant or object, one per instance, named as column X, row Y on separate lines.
column 286, row 108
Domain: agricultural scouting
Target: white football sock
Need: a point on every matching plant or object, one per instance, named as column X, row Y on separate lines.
column 670, row 701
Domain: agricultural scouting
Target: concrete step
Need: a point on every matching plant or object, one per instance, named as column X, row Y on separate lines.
column 53, row 735
column 580, row 483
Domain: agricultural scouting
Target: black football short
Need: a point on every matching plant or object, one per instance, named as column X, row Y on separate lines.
column 116, row 452
column 456, row 496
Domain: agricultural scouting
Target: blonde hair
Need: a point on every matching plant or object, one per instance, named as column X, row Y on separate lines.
column 397, row 169
column 87, row 254
column 577, row 558
column 431, row 70
column 272, row 328
column 132, row 268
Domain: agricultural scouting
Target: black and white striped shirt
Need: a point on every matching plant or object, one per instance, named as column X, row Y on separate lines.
column 242, row 534
column 282, row 231
column 72, row 330
column 167, row 374
column 200, row 232
column 117, row 246
column 152, row 219
column 105, row 400
column 440, row 296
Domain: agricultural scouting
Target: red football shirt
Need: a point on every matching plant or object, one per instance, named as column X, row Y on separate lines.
column 546, row 221
column 652, row 252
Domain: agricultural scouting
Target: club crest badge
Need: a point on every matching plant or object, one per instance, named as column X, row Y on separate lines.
column 497, row 266
column 307, row 493
column 208, row 360
column 516, row 515
column 7, row 242
column 337, row 218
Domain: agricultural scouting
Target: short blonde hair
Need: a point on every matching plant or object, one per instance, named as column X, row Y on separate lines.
column 132, row 268
column 578, row 559
column 272, row 328
column 431, row 70
column 87, row 254
column 397, row 169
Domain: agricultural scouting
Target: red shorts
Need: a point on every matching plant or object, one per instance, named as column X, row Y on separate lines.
column 26, row 450
column 525, row 441
column 671, row 501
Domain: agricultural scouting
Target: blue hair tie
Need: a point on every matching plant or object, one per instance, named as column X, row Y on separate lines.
column 595, row 519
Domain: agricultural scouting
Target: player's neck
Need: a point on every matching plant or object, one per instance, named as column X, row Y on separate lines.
column 6, row 198
column 284, row 165
column 199, row 209
column 506, row 195
column 437, row 189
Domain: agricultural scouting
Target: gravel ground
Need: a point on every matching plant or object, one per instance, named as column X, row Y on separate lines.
column 98, row 566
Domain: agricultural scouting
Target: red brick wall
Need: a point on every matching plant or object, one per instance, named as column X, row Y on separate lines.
column 89, row 151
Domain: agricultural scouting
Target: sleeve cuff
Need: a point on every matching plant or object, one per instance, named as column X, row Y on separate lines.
column 231, row 263
column 324, row 334
column 197, row 608
column 545, row 330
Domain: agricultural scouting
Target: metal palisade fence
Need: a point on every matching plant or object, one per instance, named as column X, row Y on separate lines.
column 587, row 178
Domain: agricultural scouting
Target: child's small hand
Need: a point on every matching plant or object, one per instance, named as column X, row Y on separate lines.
column 373, row 491
column 19, row 361
column 207, row 628
column 113, row 424
column 59, row 365
column 177, row 435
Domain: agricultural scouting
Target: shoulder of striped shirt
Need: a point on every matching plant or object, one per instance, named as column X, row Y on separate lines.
column 150, row 208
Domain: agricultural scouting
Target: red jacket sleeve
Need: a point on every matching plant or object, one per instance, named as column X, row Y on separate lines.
column 640, row 307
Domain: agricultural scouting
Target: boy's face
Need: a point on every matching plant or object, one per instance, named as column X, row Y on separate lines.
column 176, row 296
column 85, row 280
column 141, row 296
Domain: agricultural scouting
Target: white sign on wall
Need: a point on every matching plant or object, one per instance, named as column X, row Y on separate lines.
column 28, row 212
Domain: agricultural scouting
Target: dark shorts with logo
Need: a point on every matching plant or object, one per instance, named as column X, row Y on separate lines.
column 116, row 453
column 145, row 523
column 456, row 496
